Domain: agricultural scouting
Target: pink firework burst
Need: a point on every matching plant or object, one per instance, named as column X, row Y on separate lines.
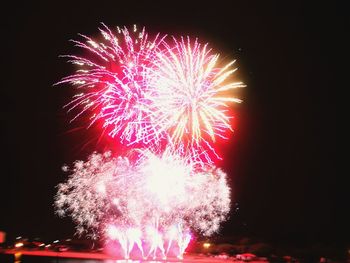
column 112, row 80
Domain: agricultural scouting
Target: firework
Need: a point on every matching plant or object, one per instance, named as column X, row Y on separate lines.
column 154, row 93
column 112, row 80
column 190, row 95
column 168, row 100
column 155, row 202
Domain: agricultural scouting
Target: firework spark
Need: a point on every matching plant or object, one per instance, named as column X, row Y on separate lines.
column 154, row 93
column 190, row 95
column 170, row 99
column 112, row 81
column 159, row 199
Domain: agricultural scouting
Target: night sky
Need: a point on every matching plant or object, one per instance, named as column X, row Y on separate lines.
column 281, row 159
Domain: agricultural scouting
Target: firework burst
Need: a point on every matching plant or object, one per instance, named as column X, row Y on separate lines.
column 190, row 95
column 158, row 193
column 112, row 81
column 154, row 93
column 169, row 101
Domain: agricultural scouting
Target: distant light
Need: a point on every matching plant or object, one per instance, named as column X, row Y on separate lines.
column 19, row 237
column 18, row 256
column 42, row 244
column 19, row 244
column 56, row 241
column 206, row 245
column 49, row 245
column 68, row 239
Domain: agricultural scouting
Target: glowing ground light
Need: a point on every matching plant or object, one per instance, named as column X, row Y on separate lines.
column 19, row 244
column 206, row 245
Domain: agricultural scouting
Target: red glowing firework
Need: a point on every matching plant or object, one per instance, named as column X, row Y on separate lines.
column 154, row 93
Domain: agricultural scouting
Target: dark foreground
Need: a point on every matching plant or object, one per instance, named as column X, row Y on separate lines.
column 11, row 256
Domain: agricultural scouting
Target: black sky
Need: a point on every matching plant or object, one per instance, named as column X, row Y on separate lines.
column 281, row 160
